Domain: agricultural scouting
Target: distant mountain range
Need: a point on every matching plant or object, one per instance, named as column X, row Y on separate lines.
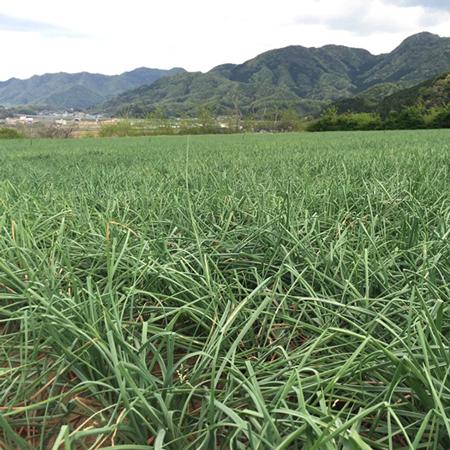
column 77, row 91
column 306, row 79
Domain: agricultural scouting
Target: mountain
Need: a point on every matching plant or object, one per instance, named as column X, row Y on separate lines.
column 418, row 58
column 78, row 91
column 304, row 78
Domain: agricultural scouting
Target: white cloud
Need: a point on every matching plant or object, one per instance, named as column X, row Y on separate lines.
column 111, row 36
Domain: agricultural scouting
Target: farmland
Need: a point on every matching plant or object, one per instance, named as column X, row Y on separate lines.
column 237, row 292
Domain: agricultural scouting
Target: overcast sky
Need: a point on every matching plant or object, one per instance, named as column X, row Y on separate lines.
column 111, row 36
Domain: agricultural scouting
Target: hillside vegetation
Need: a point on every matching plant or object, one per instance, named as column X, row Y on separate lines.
column 241, row 292
column 426, row 105
column 432, row 93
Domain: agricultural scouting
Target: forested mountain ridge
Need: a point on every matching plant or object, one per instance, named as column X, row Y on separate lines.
column 306, row 79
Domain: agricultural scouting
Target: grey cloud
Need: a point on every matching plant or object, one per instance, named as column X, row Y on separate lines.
column 10, row 23
column 443, row 5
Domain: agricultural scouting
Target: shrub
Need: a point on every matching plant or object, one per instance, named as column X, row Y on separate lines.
column 441, row 119
column 54, row 131
column 122, row 128
column 332, row 121
column 10, row 133
column 407, row 119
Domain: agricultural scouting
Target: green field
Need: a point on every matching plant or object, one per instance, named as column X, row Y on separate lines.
column 242, row 292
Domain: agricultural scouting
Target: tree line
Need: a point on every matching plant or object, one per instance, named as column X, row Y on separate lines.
column 407, row 118
column 287, row 120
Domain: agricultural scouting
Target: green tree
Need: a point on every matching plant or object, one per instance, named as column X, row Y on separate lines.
column 159, row 119
column 441, row 119
column 289, row 120
column 206, row 118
